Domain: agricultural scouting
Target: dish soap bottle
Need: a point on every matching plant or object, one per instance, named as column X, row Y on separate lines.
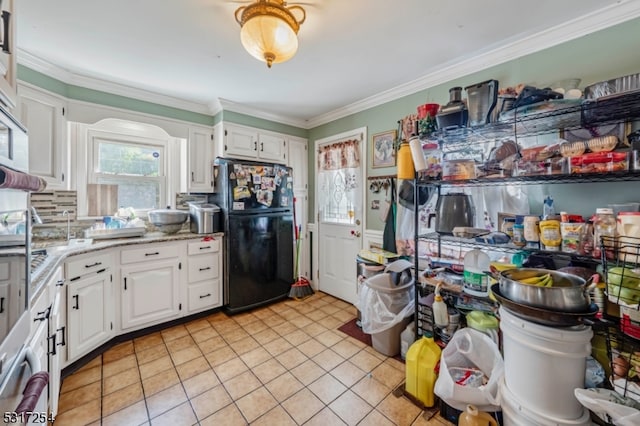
column 473, row 417
column 440, row 314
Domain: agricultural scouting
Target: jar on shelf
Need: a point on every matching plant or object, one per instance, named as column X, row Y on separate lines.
column 507, row 226
column 604, row 225
column 518, row 235
column 433, row 159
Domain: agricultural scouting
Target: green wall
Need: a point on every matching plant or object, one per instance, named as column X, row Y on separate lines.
column 598, row 56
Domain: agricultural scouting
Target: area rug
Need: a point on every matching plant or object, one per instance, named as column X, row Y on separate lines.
column 352, row 329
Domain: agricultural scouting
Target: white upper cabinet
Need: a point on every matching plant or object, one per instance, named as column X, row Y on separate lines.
column 199, row 164
column 8, row 48
column 252, row 144
column 298, row 162
column 43, row 115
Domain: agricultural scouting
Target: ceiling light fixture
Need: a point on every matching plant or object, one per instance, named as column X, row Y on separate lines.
column 269, row 30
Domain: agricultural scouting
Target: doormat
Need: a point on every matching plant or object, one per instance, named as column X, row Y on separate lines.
column 351, row 329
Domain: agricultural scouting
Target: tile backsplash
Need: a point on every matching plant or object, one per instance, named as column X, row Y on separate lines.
column 51, row 205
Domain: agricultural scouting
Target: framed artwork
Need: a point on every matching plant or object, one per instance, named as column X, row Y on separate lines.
column 620, row 130
column 384, row 154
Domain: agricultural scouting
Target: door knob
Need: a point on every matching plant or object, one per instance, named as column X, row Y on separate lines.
column 355, row 233
column 358, row 222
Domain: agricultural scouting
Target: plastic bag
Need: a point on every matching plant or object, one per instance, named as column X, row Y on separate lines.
column 470, row 348
column 380, row 310
column 604, row 402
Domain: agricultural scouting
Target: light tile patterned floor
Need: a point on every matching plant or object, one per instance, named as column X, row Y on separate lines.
column 285, row 364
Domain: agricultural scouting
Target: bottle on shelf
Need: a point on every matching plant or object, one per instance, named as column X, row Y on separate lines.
column 476, row 281
column 440, row 311
column 407, row 337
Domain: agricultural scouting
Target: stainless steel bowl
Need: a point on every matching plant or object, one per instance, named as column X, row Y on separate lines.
column 169, row 229
column 161, row 217
column 570, row 293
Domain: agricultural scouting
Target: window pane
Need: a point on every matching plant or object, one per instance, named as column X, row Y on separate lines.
column 140, row 194
column 128, row 159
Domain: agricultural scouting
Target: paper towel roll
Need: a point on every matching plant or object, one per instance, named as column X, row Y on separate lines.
column 416, row 153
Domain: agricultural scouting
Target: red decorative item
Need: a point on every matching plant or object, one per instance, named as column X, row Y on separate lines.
column 427, row 109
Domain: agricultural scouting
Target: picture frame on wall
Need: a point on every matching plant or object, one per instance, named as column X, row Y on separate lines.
column 383, row 152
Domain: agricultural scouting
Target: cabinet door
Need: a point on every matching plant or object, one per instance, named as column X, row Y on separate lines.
column 150, row 293
column 57, row 339
column 200, row 161
column 89, row 322
column 43, row 116
column 298, row 161
column 271, row 148
column 39, row 344
column 240, row 142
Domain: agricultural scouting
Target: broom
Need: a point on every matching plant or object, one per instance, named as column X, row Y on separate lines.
column 302, row 287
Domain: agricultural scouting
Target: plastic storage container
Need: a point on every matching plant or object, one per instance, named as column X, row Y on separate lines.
column 517, row 413
column 604, row 225
column 543, row 366
column 422, row 359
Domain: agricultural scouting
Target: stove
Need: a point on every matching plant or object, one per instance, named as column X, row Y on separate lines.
column 38, row 257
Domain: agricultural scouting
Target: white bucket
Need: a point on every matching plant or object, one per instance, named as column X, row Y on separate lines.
column 543, row 365
column 515, row 413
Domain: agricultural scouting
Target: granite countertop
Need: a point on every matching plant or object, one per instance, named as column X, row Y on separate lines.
column 59, row 251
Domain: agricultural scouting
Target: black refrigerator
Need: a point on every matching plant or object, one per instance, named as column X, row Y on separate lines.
column 256, row 201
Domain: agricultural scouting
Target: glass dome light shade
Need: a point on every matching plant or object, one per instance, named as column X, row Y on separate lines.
column 269, row 39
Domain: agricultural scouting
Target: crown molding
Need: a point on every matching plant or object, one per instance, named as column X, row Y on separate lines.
column 37, row 64
column 228, row 105
column 570, row 30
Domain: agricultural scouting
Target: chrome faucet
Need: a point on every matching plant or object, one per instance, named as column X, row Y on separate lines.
column 35, row 217
column 68, row 215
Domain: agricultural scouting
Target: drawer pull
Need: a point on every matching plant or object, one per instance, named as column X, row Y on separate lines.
column 51, row 347
column 1, row 305
column 77, row 304
column 205, row 269
column 152, row 254
column 63, row 340
column 205, row 248
column 206, row 295
column 59, row 283
column 93, row 264
column 43, row 315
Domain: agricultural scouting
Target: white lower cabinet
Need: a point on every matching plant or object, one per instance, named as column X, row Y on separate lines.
column 204, row 274
column 88, row 313
column 150, row 293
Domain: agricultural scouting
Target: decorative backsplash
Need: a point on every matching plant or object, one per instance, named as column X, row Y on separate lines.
column 51, row 205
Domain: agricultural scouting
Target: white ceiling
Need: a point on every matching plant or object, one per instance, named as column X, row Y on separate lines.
column 350, row 51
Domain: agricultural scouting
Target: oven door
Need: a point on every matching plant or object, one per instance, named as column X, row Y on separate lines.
column 15, row 381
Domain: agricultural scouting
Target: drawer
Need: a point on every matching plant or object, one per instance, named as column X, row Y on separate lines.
column 86, row 265
column 202, row 247
column 203, row 267
column 204, row 295
column 149, row 252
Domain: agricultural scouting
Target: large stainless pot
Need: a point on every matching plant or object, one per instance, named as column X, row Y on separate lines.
column 569, row 293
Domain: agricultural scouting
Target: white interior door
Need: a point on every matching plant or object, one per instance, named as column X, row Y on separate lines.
column 340, row 213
